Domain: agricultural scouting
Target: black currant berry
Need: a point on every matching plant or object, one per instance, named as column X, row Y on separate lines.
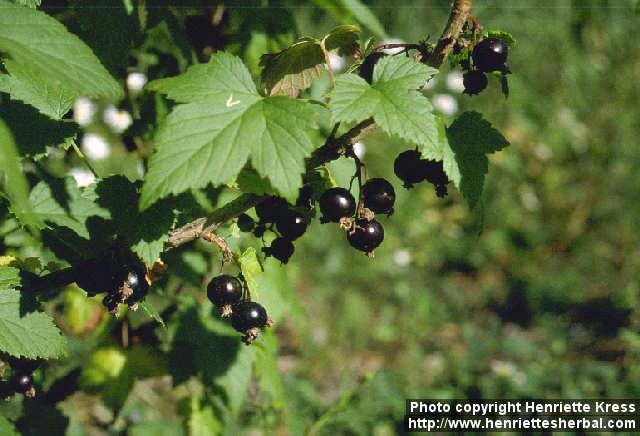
column 270, row 209
column 434, row 172
column 99, row 275
column 22, row 382
column 336, row 203
column 281, row 249
column 245, row 223
column 249, row 318
column 136, row 281
column 379, row 195
column 366, row 69
column 292, row 225
column 490, row 54
column 224, row 290
column 474, row 82
column 248, row 315
column 409, row 168
column 366, row 236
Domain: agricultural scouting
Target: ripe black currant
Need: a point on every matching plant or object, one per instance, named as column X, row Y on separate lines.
column 225, row 290
column 366, row 69
column 336, row 203
column 292, row 225
column 137, row 282
column 409, row 168
column 434, row 173
column 99, row 275
column 366, row 236
column 490, row 54
column 248, row 315
column 245, row 223
column 249, row 318
column 22, row 382
column 474, row 82
column 281, row 249
column 270, row 209
column 379, row 195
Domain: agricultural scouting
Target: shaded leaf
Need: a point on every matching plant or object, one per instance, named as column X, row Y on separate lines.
column 31, row 335
column 50, row 58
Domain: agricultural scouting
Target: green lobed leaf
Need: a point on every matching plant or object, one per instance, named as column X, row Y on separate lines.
column 210, row 139
column 13, row 180
column 31, row 335
column 43, row 54
column 224, row 76
column 464, row 149
column 392, row 100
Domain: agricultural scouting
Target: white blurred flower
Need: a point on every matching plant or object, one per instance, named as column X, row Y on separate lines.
column 431, row 83
column 402, row 257
column 95, row 146
column 445, row 103
column 393, row 41
column 83, row 111
column 359, row 149
column 83, row 177
column 136, row 81
column 455, row 81
column 529, row 198
column 118, row 120
column 336, row 62
column 543, row 152
column 502, row 368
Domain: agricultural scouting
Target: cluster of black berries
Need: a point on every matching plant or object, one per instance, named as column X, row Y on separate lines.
column 122, row 277
column 411, row 168
column 231, row 296
column 489, row 55
column 364, row 232
column 286, row 221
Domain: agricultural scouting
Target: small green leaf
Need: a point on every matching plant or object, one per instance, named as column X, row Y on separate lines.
column 32, row 334
column 341, row 37
column 52, row 59
column 464, row 150
column 152, row 312
column 251, row 269
column 506, row 37
column 392, row 100
column 292, row 69
column 13, row 180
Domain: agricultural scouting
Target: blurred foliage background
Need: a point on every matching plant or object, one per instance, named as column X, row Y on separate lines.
column 533, row 295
